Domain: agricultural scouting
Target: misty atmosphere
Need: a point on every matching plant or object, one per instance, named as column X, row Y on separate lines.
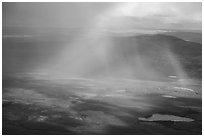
column 96, row 68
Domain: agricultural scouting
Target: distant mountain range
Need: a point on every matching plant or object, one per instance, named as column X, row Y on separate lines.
column 142, row 56
column 187, row 36
column 191, row 35
column 156, row 55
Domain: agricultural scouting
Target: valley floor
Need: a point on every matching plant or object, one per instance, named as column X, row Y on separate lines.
column 84, row 106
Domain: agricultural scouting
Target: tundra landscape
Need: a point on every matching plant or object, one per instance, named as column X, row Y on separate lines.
column 108, row 69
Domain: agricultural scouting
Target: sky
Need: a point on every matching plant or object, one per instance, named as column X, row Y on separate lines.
column 115, row 16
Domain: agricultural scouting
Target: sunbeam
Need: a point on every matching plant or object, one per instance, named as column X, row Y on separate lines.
column 100, row 52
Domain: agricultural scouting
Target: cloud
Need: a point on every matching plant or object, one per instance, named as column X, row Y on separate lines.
column 155, row 15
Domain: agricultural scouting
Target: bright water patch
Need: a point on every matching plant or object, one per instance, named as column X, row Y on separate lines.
column 160, row 117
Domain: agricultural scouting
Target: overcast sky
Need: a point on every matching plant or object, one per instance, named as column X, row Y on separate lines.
column 104, row 15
